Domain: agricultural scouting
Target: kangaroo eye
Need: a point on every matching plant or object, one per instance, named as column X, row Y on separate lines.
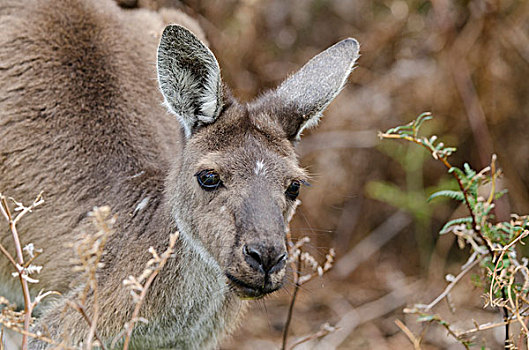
column 209, row 180
column 292, row 191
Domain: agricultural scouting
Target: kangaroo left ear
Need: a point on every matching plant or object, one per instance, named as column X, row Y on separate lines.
column 189, row 77
column 300, row 100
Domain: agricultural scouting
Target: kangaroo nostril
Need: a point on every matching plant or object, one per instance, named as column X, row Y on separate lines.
column 253, row 253
column 280, row 258
column 278, row 263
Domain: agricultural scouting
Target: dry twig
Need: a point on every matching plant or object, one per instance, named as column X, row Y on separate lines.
column 298, row 260
column 22, row 270
column 414, row 340
column 139, row 286
column 89, row 251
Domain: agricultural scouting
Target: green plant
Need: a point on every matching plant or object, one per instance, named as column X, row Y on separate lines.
column 493, row 245
column 412, row 196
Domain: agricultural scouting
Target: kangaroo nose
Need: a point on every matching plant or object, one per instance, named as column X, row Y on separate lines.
column 264, row 259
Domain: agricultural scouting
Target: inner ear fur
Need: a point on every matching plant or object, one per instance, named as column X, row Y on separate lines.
column 189, row 78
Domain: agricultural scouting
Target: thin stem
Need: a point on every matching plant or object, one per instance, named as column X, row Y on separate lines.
column 324, row 330
column 164, row 257
column 93, row 284
column 37, row 336
column 477, row 229
column 449, row 166
column 505, row 318
column 413, row 339
column 292, row 302
column 451, row 285
column 136, row 311
column 8, row 256
column 19, row 267
column 80, row 308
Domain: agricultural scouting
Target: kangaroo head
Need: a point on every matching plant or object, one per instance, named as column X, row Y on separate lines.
column 238, row 177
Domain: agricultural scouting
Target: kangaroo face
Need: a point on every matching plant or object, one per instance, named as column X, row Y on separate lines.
column 238, row 177
column 242, row 188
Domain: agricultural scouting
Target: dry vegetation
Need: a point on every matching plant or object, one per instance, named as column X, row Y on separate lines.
column 88, row 252
column 467, row 62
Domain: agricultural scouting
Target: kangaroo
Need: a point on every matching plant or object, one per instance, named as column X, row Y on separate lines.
column 82, row 119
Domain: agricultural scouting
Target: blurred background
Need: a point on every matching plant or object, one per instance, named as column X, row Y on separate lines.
column 467, row 62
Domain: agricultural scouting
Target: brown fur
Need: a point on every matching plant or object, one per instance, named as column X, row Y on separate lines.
column 81, row 119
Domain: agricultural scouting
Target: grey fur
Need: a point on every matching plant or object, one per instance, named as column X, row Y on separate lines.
column 81, row 119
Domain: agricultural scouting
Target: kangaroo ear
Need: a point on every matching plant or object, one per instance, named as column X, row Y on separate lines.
column 299, row 101
column 189, row 77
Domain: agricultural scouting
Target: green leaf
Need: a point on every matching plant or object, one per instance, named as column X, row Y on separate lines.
column 457, row 195
column 401, row 130
column 487, row 211
column 421, row 119
column 476, row 280
column 426, row 318
column 449, row 150
column 458, row 172
column 473, row 188
column 466, row 220
column 500, row 194
column 413, row 202
column 470, row 172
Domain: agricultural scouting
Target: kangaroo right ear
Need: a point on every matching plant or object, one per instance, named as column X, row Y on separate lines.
column 189, row 77
column 300, row 100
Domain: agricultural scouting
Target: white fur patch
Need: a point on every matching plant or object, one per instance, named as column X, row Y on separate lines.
column 137, row 174
column 141, row 205
column 196, row 246
column 259, row 168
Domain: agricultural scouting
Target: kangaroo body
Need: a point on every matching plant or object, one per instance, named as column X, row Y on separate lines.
column 82, row 119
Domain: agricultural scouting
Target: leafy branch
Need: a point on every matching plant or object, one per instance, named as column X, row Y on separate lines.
column 492, row 244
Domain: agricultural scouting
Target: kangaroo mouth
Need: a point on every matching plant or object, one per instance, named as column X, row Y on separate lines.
column 246, row 290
